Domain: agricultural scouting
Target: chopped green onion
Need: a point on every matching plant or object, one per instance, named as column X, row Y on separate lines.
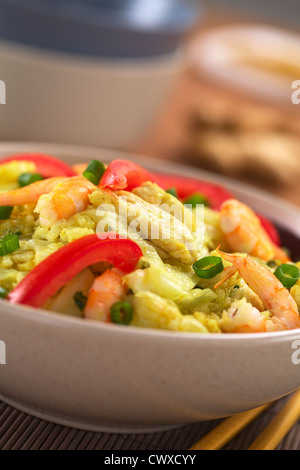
column 288, row 275
column 94, row 171
column 144, row 265
column 121, row 313
column 9, row 244
column 172, row 191
column 272, row 263
column 80, row 300
column 5, row 212
column 208, row 267
column 197, row 199
column 27, row 178
column 3, row 293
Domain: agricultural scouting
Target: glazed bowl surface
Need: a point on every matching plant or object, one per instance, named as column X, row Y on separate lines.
column 108, row 378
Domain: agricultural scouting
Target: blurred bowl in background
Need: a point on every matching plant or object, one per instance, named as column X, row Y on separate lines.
column 52, row 97
column 91, row 72
column 103, row 28
column 259, row 59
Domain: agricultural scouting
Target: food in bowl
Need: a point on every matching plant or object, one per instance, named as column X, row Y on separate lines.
column 118, row 244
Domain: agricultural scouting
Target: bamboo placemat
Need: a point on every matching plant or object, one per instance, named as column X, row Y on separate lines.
column 19, row 431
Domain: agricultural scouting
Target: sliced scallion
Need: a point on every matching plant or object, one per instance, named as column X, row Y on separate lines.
column 94, row 171
column 80, row 300
column 9, row 244
column 5, row 212
column 197, row 199
column 288, row 275
column 271, row 263
column 121, row 313
column 172, row 191
column 3, row 293
column 208, row 267
column 28, row 178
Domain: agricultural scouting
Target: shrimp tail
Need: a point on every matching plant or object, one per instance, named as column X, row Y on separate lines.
column 233, row 259
column 229, row 270
column 31, row 193
column 227, row 273
column 226, row 256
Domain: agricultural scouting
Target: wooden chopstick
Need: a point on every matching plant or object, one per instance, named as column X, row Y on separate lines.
column 227, row 429
column 267, row 440
column 279, row 426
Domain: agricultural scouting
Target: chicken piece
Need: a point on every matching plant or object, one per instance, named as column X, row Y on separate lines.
column 152, row 193
column 164, row 230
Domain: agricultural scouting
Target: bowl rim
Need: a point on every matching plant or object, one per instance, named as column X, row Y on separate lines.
column 28, row 54
column 66, row 151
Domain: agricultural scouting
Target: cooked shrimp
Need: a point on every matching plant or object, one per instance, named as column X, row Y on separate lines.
column 30, row 193
column 275, row 298
column 245, row 234
column 242, row 317
column 66, row 199
column 106, row 290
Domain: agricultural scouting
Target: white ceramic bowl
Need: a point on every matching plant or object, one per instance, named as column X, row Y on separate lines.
column 124, row 379
column 56, row 97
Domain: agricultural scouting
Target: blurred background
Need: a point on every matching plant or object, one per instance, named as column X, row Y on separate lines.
column 206, row 83
column 267, row 10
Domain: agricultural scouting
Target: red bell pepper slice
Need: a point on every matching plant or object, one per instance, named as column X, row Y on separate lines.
column 46, row 165
column 125, row 174
column 60, row 267
column 185, row 187
column 121, row 174
column 215, row 194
